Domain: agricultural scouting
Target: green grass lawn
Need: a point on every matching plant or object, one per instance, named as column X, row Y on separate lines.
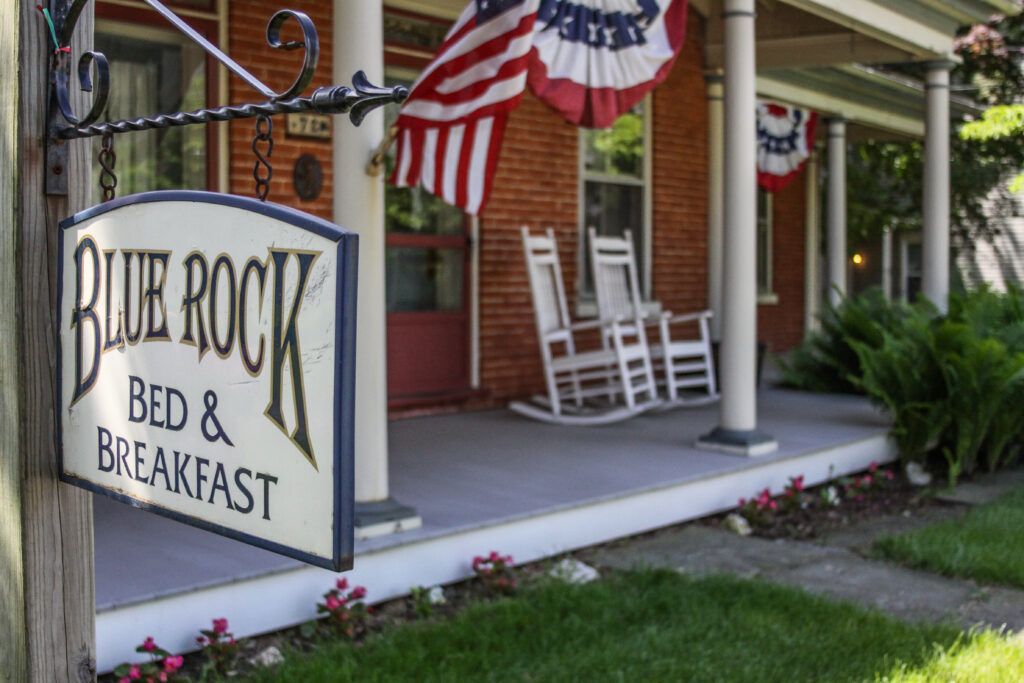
column 986, row 545
column 657, row 625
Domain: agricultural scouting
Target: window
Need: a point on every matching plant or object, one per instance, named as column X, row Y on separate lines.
column 765, row 291
column 155, row 71
column 910, row 268
column 425, row 259
column 614, row 174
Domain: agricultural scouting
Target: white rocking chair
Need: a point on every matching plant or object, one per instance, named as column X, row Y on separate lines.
column 601, row 386
column 683, row 365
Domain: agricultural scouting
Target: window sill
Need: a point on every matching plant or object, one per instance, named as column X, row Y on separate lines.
column 767, row 298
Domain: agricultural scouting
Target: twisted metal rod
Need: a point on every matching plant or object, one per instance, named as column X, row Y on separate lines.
column 326, row 100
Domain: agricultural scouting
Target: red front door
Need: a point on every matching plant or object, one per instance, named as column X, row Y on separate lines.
column 427, row 297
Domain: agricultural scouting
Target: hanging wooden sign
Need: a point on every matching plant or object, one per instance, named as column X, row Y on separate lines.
column 206, row 366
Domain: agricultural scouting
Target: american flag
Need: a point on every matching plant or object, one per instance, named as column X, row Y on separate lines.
column 452, row 125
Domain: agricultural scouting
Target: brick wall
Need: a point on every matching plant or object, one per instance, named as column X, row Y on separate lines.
column 781, row 325
column 278, row 69
column 537, row 185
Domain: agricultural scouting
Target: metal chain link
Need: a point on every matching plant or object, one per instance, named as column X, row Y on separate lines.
column 264, row 133
column 107, row 159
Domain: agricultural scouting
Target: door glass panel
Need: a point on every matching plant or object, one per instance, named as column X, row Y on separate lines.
column 154, row 72
column 413, row 210
column 424, row 279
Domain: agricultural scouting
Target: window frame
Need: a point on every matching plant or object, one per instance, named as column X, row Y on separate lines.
column 766, row 228
column 586, row 305
column 208, row 22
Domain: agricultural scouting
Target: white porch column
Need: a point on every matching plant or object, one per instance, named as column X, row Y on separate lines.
column 737, row 431
column 935, row 218
column 836, row 210
column 716, row 198
column 812, row 244
column 359, row 206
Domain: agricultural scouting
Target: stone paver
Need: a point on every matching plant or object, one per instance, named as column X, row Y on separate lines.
column 836, row 572
column 984, row 488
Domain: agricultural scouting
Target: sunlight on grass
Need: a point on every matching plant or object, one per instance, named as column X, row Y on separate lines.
column 987, row 545
column 643, row 625
column 986, row 656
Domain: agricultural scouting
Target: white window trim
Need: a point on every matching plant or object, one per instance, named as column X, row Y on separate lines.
column 767, row 295
column 587, row 308
column 905, row 244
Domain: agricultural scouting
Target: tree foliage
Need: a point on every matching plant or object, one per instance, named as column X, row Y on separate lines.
column 885, row 177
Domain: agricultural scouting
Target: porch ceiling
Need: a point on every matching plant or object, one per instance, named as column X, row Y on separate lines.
column 801, row 33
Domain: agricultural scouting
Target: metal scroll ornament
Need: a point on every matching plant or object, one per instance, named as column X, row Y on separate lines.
column 356, row 101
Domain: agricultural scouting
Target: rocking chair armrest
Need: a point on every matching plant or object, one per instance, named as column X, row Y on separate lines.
column 592, row 324
column 685, row 317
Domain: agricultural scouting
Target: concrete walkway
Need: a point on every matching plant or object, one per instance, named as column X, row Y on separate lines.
column 836, row 566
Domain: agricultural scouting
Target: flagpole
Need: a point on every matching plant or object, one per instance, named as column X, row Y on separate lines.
column 375, row 166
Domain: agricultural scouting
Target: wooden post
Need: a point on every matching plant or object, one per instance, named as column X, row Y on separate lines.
column 47, row 603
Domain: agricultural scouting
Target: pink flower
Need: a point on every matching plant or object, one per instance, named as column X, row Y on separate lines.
column 889, row 475
column 477, row 561
column 134, row 672
column 163, row 677
column 358, row 593
column 124, row 680
column 220, row 626
column 494, row 556
column 342, row 584
column 798, row 483
column 172, row 663
column 873, row 466
column 867, row 479
column 332, row 603
column 743, row 501
column 148, row 645
column 201, row 640
column 772, row 505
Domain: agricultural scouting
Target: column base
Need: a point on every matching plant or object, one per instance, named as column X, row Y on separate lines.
column 382, row 517
column 750, row 443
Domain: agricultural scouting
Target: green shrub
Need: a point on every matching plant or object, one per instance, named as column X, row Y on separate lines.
column 954, row 384
column 827, row 361
column 949, row 392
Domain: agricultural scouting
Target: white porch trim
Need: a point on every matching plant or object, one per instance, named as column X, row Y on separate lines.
column 836, row 210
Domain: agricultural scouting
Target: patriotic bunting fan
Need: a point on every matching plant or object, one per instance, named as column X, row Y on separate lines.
column 590, row 60
column 785, row 136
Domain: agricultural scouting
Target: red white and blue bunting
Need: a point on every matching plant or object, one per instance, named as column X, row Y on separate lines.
column 785, row 137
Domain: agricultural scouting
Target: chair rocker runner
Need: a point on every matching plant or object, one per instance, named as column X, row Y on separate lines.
column 598, row 386
column 683, row 365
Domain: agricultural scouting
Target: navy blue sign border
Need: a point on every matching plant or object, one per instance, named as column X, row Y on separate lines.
column 344, row 396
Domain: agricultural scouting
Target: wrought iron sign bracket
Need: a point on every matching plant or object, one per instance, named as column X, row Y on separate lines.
column 64, row 125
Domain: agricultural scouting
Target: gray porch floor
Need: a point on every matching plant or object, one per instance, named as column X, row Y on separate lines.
column 472, row 470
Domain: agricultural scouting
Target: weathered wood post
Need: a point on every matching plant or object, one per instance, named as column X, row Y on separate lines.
column 47, row 600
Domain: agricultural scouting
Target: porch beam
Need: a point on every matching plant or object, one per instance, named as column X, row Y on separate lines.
column 885, row 24
column 737, row 431
column 935, row 215
column 774, row 88
column 836, row 210
column 823, row 49
column 359, row 206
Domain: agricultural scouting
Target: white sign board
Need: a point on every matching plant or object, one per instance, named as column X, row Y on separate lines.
column 206, row 366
